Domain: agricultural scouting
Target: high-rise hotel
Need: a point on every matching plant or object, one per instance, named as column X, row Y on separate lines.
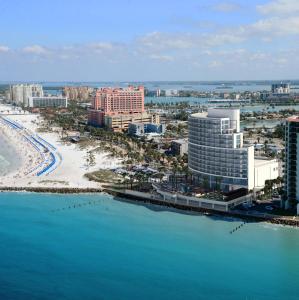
column 116, row 108
column 20, row 93
column 217, row 155
column 292, row 162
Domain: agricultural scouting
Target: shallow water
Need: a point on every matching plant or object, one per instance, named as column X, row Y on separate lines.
column 108, row 249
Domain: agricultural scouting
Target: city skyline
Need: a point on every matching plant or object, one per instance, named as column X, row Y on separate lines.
column 133, row 41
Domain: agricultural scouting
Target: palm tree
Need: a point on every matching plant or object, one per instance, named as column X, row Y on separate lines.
column 175, row 169
column 187, row 172
column 206, row 184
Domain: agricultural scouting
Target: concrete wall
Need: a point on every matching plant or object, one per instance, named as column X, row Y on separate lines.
column 250, row 167
column 269, row 170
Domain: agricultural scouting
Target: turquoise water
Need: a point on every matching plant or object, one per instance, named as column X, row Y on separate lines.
column 117, row 250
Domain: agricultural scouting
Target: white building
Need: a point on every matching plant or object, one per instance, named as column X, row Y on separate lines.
column 170, row 93
column 264, row 169
column 281, row 88
column 217, row 155
column 47, row 101
column 20, row 93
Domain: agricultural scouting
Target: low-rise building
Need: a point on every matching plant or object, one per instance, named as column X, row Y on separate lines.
column 144, row 128
column 120, row 122
column 47, row 101
column 179, row 147
column 96, row 118
column 265, row 169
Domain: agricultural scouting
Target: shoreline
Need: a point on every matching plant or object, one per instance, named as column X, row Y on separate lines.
column 47, row 161
column 48, row 190
column 32, row 157
column 235, row 214
column 123, row 196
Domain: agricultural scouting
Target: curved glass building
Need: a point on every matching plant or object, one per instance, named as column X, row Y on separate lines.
column 217, row 157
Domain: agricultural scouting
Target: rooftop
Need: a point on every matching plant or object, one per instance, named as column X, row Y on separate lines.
column 293, row 119
column 259, row 161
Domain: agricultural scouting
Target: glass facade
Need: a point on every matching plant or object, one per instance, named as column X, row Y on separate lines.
column 291, row 161
column 216, row 152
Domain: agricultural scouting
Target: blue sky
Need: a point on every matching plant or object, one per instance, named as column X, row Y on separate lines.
column 101, row 40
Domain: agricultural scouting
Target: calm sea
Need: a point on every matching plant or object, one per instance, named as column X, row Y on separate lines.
column 106, row 249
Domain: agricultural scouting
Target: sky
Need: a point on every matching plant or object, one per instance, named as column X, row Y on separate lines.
column 141, row 40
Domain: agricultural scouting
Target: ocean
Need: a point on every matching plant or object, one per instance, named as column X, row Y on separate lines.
column 96, row 247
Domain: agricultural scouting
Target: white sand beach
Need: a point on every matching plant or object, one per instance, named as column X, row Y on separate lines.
column 46, row 161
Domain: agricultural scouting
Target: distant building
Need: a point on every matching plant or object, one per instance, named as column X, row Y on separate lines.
column 236, row 96
column 265, row 95
column 217, row 156
column 280, row 89
column 116, row 108
column 171, row 93
column 224, row 95
column 292, row 162
column 78, row 93
column 144, row 128
column 120, row 122
column 20, row 93
column 179, row 147
column 119, row 100
column 47, row 102
column 96, row 118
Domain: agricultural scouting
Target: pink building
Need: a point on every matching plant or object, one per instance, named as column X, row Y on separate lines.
column 120, row 101
column 114, row 102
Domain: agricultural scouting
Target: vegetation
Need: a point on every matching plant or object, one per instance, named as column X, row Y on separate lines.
column 104, row 176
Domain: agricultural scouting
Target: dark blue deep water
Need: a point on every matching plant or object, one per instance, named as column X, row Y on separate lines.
column 106, row 249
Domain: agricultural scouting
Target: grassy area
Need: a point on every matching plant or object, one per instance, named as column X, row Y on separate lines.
column 104, row 176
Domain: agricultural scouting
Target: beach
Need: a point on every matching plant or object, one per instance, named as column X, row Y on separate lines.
column 43, row 159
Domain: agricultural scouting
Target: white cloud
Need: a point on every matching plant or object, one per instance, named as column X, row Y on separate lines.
column 161, row 57
column 215, row 64
column 163, row 41
column 279, row 7
column 101, row 46
column 223, row 38
column 226, row 7
column 35, row 49
column 276, row 26
column 4, row 49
